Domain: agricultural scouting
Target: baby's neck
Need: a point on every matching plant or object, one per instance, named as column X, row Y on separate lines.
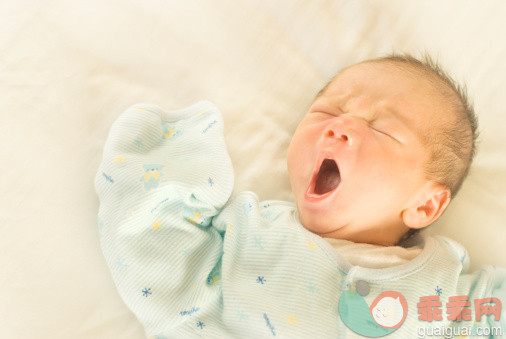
column 384, row 237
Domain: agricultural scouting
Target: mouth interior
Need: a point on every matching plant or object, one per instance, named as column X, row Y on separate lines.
column 328, row 177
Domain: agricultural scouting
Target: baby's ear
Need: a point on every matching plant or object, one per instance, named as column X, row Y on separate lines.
column 430, row 204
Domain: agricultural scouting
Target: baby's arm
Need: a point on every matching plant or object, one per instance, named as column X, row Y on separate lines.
column 164, row 175
column 499, row 293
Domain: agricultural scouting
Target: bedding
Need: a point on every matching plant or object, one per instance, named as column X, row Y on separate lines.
column 68, row 69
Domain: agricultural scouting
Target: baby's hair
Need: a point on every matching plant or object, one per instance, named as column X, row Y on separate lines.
column 452, row 146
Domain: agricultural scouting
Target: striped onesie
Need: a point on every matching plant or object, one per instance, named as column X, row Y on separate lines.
column 192, row 261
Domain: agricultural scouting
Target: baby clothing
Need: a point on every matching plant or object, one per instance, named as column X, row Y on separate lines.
column 373, row 256
column 191, row 261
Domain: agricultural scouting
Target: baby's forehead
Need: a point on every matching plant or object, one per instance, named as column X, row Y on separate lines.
column 386, row 70
column 414, row 91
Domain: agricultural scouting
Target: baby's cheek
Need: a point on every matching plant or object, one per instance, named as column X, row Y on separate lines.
column 295, row 174
column 297, row 155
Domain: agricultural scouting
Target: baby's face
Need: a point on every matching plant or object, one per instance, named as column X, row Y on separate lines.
column 369, row 121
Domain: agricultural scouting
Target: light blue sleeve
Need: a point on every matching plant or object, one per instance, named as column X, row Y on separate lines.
column 164, row 175
column 491, row 276
column 499, row 292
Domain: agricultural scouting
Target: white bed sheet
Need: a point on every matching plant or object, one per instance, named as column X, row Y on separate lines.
column 69, row 68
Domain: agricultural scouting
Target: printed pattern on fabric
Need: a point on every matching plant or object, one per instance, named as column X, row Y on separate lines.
column 191, row 261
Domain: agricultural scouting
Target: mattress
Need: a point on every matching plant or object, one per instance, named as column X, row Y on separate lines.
column 68, row 69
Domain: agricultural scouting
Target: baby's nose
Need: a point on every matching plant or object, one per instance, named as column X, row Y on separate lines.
column 345, row 128
column 331, row 133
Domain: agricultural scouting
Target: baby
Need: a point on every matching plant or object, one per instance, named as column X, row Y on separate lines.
column 384, row 147
column 378, row 156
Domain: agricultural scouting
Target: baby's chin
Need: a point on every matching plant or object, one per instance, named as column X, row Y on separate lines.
column 319, row 224
column 329, row 232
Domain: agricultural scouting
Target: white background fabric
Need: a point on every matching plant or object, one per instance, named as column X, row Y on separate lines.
column 69, row 68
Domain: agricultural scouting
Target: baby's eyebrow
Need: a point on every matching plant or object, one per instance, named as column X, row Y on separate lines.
column 338, row 101
column 393, row 113
column 404, row 129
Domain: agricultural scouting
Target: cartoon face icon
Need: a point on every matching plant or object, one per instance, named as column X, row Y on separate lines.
column 385, row 315
column 389, row 309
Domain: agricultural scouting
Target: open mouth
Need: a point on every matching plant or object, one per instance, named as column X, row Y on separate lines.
column 328, row 177
column 324, row 181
